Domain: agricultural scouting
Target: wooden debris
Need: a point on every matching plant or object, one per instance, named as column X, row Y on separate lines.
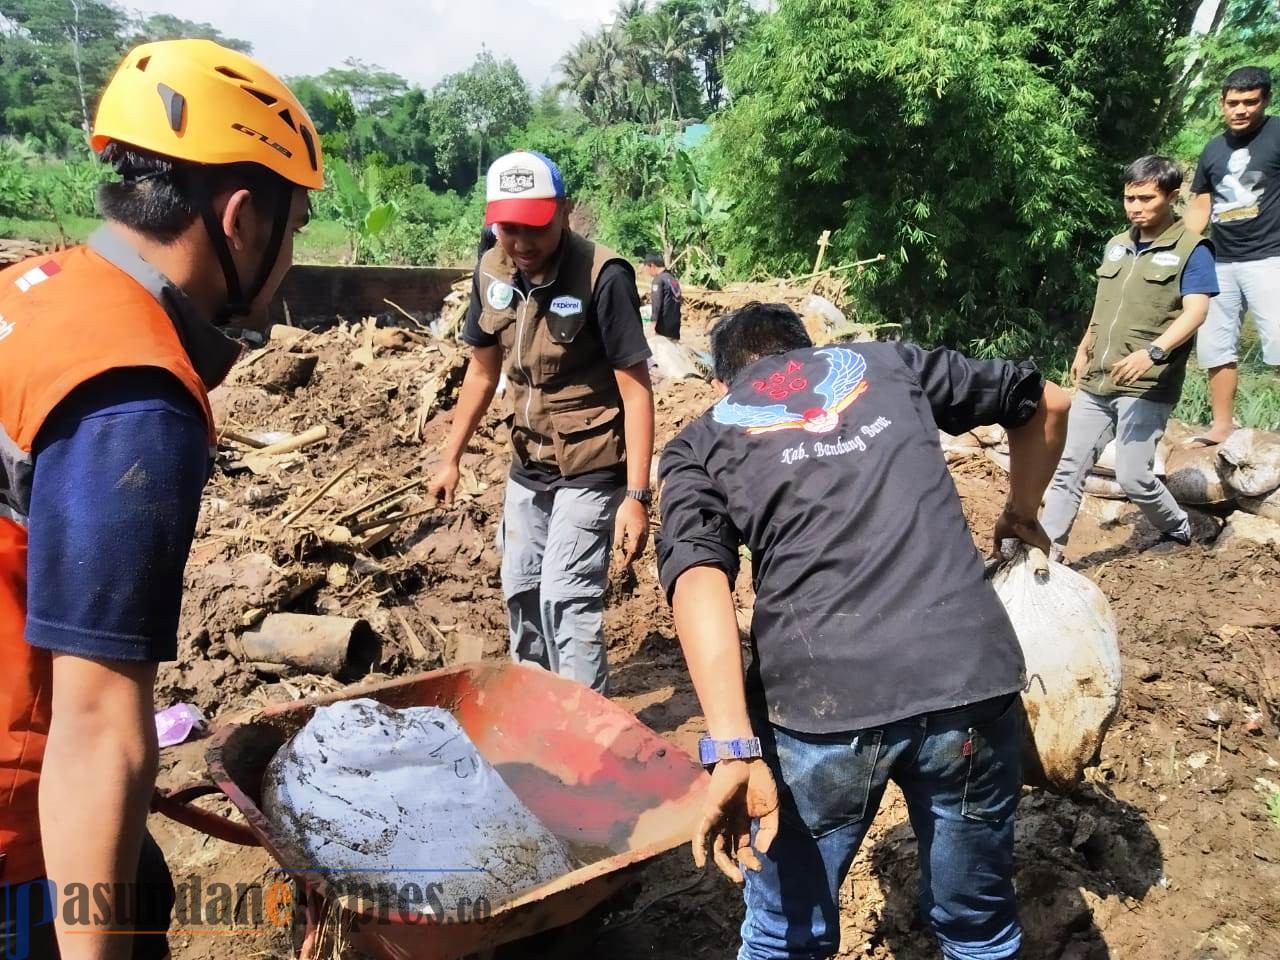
column 315, row 497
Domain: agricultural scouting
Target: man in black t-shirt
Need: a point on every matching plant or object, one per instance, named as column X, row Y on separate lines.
column 1237, row 188
column 879, row 650
column 664, row 297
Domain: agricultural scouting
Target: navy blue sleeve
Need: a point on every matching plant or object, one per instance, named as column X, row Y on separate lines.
column 119, row 469
column 1200, row 274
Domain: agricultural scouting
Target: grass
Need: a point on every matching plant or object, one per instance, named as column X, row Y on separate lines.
column 1257, row 403
column 1273, row 808
column 321, row 242
column 46, row 231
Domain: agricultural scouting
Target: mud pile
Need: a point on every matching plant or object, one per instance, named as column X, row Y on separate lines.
column 1172, row 849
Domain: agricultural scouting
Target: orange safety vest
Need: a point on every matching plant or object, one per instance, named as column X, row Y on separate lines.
column 64, row 319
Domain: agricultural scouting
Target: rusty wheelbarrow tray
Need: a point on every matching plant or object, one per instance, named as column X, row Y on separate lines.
column 613, row 791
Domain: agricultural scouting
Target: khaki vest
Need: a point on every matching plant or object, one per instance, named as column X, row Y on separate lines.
column 568, row 412
column 1139, row 295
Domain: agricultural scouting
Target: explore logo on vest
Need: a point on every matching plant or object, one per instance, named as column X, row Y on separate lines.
column 566, row 306
column 1166, row 259
column 500, row 295
column 845, row 382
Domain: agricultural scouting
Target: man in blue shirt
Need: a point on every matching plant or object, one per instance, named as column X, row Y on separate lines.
column 1154, row 287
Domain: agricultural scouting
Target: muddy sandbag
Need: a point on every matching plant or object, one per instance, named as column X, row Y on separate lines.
column 1099, row 486
column 965, row 444
column 991, row 435
column 1069, row 638
column 675, row 361
column 1246, row 528
column 373, row 795
column 1249, row 462
column 1268, row 506
column 1191, row 474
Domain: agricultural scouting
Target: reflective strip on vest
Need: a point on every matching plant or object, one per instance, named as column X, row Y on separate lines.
column 15, row 480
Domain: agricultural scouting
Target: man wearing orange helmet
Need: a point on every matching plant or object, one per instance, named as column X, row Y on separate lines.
column 107, row 354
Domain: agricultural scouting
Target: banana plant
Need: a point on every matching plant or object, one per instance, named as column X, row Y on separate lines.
column 359, row 205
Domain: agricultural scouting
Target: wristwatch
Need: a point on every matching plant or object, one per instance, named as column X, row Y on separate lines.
column 1157, row 355
column 711, row 751
column 644, row 496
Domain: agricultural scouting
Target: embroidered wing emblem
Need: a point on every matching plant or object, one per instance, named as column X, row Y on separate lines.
column 844, row 383
column 756, row 419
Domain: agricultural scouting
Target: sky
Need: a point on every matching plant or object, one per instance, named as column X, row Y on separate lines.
column 423, row 40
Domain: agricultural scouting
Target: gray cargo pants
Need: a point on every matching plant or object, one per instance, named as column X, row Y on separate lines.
column 1137, row 425
column 555, row 548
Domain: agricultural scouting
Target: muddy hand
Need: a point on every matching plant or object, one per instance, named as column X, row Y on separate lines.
column 1010, row 526
column 740, row 791
column 631, row 530
column 443, row 484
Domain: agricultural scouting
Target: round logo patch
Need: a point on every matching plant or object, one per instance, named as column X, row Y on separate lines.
column 1116, row 253
column 500, row 294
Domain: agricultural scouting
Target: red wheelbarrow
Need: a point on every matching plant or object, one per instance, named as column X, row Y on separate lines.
column 613, row 791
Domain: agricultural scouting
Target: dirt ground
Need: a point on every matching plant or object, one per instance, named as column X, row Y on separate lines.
column 1168, row 851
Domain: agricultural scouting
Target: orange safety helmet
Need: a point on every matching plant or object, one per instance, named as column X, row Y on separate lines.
column 198, row 101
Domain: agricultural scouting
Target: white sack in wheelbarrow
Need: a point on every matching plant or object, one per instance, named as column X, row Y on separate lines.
column 378, row 796
column 1069, row 638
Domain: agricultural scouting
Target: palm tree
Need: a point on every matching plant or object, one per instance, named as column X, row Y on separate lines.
column 668, row 41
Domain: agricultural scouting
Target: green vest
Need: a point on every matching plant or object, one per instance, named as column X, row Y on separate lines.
column 1139, row 295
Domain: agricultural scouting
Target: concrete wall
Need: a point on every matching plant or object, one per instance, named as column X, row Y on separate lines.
column 319, row 294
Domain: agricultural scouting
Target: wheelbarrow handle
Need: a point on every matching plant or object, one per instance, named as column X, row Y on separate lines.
column 177, row 806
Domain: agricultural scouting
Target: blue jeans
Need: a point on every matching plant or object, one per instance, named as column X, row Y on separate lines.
column 961, row 774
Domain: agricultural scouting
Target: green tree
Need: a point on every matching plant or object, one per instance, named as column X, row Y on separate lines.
column 68, row 48
column 475, row 109
column 165, row 26
column 978, row 146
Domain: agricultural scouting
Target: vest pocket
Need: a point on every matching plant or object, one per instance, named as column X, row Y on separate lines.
column 493, row 322
column 1110, row 268
column 565, row 329
column 586, row 437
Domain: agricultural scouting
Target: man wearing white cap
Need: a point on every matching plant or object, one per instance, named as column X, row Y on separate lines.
column 559, row 315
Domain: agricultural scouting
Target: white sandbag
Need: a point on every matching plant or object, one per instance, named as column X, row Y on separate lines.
column 675, row 361
column 1191, row 474
column 1106, row 465
column 1268, row 506
column 1072, row 648
column 832, row 317
column 991, row 435
column 964, row 444
column 373, row 794
column 1099, row 486
column 1249, row 462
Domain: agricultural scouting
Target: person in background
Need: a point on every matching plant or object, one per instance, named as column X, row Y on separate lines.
column 562, row 315
column 1237, row 189
column 1154, row 287
column 664, row 296
column 107, row 354
column 879, row 650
